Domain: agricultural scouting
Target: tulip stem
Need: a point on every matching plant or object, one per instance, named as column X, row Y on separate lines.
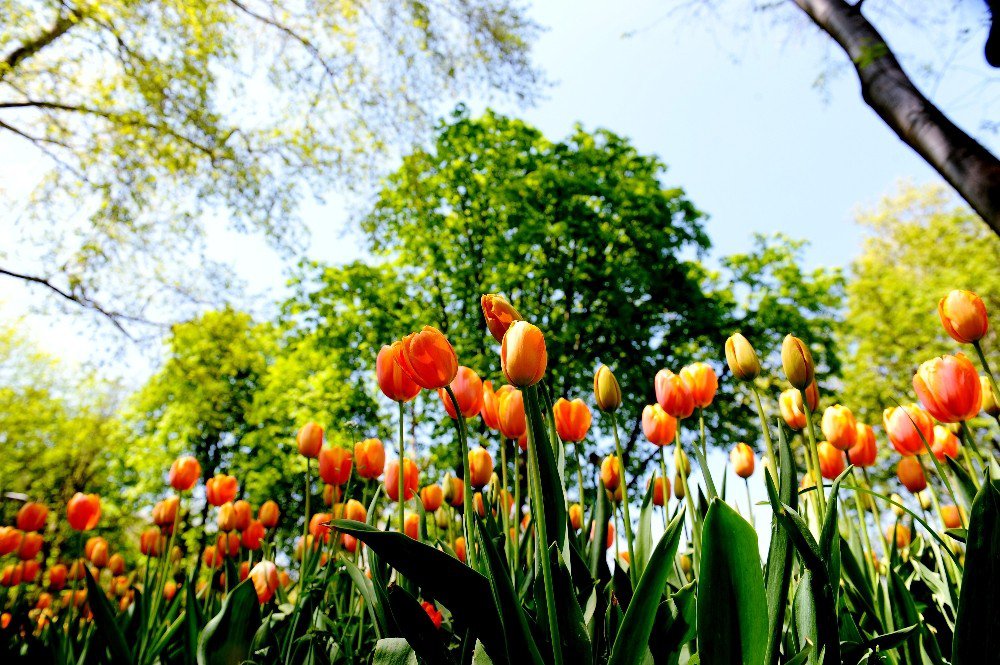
column 470, row 548
column 666, row 498
column 814, row 452
column 517, row 506
column 695, row 526
column 625, row 515
column 305, row 538
column 402, row 470
column 986, row 366
column 971, row 442
column 504, row 509
column 746, row 481
column 703, row 457
column 870, row 567
column 771, row 463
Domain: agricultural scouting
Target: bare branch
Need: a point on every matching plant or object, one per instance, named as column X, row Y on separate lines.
column 62, row 25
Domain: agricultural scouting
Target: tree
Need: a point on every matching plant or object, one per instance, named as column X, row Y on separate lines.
column 140, row 111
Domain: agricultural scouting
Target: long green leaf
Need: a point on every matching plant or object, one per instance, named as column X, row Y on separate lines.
column 644, row 533
column 780, row 552
column 977, row 628
column 104, row 619
column 226, row 639
column 393, row 651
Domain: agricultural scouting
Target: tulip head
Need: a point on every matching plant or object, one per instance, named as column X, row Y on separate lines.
column 661, row 490
column 702, row 382
column 948, row 387
column 490, row 405
column 369, row 456
column 945, row 443
column 428, row 358
column 220, row 489
column 32, row 516
column 31, row 545
column 908, row 427
column 797, row 362
column 499, row 314
column 674, row 394
column 468, row 390
column 335, row 465
column 831, row 460
column 269, row 514
column 522, row 354
column 900, row 534
column 411, row 477
column 911, row 474
column 459, row 547
column 184, row 473
column 607, row 392
column 480, row 467
column 265, row 580
column 454, row 491
column 392, row 380
column 510, row 412
column 951, row 517
column 792, row 409
column 864, row 450
column 431, row 496
column 742, row 358
column 309, row 439
column 83, row 511
column 839, row 427
column 572, row 419
column 659, row 426
column 611, row 473
column 253, row 536
column 743, row 460
column 226, row 518
column 576, row 517
column 963, row 316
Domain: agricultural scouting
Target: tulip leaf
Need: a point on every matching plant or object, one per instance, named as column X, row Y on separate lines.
column 227, row 637
column 732, row 607
column 598, row 551
column 966, row 486
column 644, row 534
column 977, row 627
column 367, row 591
column 676, row 624
column 104, row 619
column 576, row 645
column 961, row 535
column 551, row 482
column 780, row 553
column 632, row 638
column 416, row 627
column 393, row 651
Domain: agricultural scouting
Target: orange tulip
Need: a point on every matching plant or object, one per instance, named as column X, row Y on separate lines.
column 607, row 392
column 951, row 517
column 433, row 614
column 11, row 575
column 900, row 533
column 244, row 513
column 797, row 362
column 335, row 465
column 83, row 511
column 522, row 354
column 468, row 389
column 839, row 427
column 309, row 439
column 611, row 473
column 812, row 396
column 499, row 315
column 459, row 547
column 31, row 545
column 411, row 477
column 831, row 460
column 99, row 554
column 661, row 490
column 226, row 518
column 908, row 427
column 454, row 491
column 431, row 497
column 673, row 393
column 392, row 380
column 611, row 534
column 355, row 510
column 150, row 542
column 792, row 410
column 742, row 358
column 269, row 514
column 184, row 473
column 76, row 571
column 510, row 411
column 32, row 516
column 617, row 494
column 489, row 411
column 221, row 489
column 948, row 387
column 911, row 474
column 658, row 425
column 10, row 539
column 370, row 458
column 253, row 535
column 576, row 516
column 945, row 443
column 265, row 580
column 350, row 543
column 165, row 511
column 331, row 494
column 57, row 576
column 169, row 590
column 29, row 571
column 428, row 358
column 702, row 381
column 742, row 459
column 572, row 419
column 963, row 316
column 318, row 528
column 116, row 564
column 522, row 442
column 228, row 544
column 864, row 450
column 480, row 467
column 989, row 402
column 478, row 505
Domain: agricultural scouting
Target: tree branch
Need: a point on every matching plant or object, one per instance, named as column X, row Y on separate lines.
column 62, row 24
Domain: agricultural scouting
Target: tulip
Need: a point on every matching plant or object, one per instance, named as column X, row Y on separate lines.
column 703, row 383
column 572, row 419
column 335, row 465
column 442, row 518
column 611, row 534
column 253, row 535
column 32, row 516
column 468, row 390
column 269, row 514
column 11, row 575
column 831, row 460
column 659, row 426
column 265, row 580
column 499, row 315
column 349, row 542
column 792, row 411
column 369, row 457
column 31, row 545
column 226, row 519
column 459, row 547
column 480, row 467
column 864, row 450
column 742, row 358
column 44, row 601
column 576, row 517
column 611, row 473
column 522, row 354
column 244, row 513
column 607, row 392
column 477, row 504
column 228, row 544
column 432, row 613
column 617, row 494
column 489, row 411
column 911, row 474
column 661, row 490
column 428, row 358
column 165, row 511
column 331, row 494
column 10, row 539
column 900, row 533
column 742, row 459
column 797, row 362
column 454, row 491
column 169, row 590
column 57, row 576
column 673, row 393
column 83, row 511
column 951, row 517
column 948, row 387
column 431, row 497
column 116, row 564
column 411, row 477
column 392, row 380
column 184, row 473
column 989, row 402
column 318, row 526
column 99, row 554
column 510, row 412
column 355, row 510
column 908, row 427
column 221, row 489
column 309, row 439
column 945, row 443
column 963, row 316
column 29, row 571
column 839, row 427
column 150, row 542
column 522, row 442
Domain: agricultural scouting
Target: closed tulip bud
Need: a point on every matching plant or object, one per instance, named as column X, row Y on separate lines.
column 673, row 394
column 76, row 572
column 355, row 510
column 611, row 473
column 431, row 497
column 411, row 478
column 908, row 427
column 319, row 526
column 900, row 533
column 44, row 601
column 433, row 614
column 741, row 358
column 253, row 535
column 228, row 544
column 480, row 467
column 792, row 410
column 442, row 518
column 309, row 439
column 898, row 511
column 99, row 555
column 611, row 534
column 244, row 513
column 742, row 459
column 523, row 358
column 369, row 458
column 911, row 474
column 150, row 542
column 335, row 465
column 661, row 490
column 11, row 576
column 951, row 517
column 831, row 460
column 269, row 514
column 349, row 542
column 454, row 491
column 989, row 401
column 32, row 516
column 924, row 498
column 10, row 539
column 226, row 519
column 703, row 383
column 392, row 380
column 659, row 426
column 607, row 392
column 331, row 494
column 797, row 362
column 83, row 511
column 184, row 473
column 169, row 590
column 576, row 517
column 945, row 443
column 864, row 450
column 29, row 571
column 165, row 511
column 572, row 419
column 499, row 315
column 948, row 387
column 221, row 489
column 510, row 413
column 477, row 504
column 681, row 462
column 31, row 545
column 839, row 427
column 428, row 358
column 57, row 576
column 963, row 316
column 265, row 580
column 459, row 547
column 468, row 390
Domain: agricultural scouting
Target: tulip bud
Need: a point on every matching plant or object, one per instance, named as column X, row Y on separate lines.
column 32, row 516
column 499, row 314
column 678, row 487
column 839, row 427
column 661, row 490
column 989, row 400
column 392, row 380
column 459, row 547
column 924, row 498
column 269, row 514
column 963, row 316
column 702, row 382
column 831, row 460
column 454, row 490
column 742, row 459
column 226, row 519
column 442, row 518
column 184, row 473
column 896, row 509
column 797, row 362
column 951, row 517
column 949, row 388
column 611, row 473
column 369, row 458
column 911, row 474
column 522, row 354
column 431, row 496
column 265, row 580
column 607, row 392
column 681, row 462
column 310, row 440
column 83, row 511
column 741, row 358
column 480, row 467
column 899, row 533
column 576, row 516
column 428, row 358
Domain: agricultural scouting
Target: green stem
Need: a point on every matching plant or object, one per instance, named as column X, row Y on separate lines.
column 695, row 524
column 504, row 509
column 814, row 452
column 517, row 506
column 305, row 539
column 859, row 505
column 470, row 548
column 703, row 458
column 876, row 515
column 749, row 503
column 986, row 366
column 666, row 498
column 625, row 516
column 771, row 463
column 402, row 469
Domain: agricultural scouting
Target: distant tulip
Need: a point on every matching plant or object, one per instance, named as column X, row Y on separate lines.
column 433, row 614
column 116, row 564
column 510, row 412
column 369, row 458
column 428, row 358
column 951, row 517
column 468, row 389
column 335, row 465
column 244, row 513
column 150, row 542
column 661, row 490
column 265, row 580
column 165, row 511
column 963, row 316
column 32, row 516
column 797, row 362
column 742, row 459
column 989, row 401
column 673, row 393
column 442, row 518
column 57, row 576
column 908, row 427
column 459, row 547
column 83, row 511
column 572, row 419
column 499, row 315
column 454, row 491
column 831, row 460
column 11, row 576
column 900, row 533
column 611, row 534
column 659, row 426
column 253, row 535
column 169, row 590
column 607, row 392
column 617, row 494
column 227, row 544
column 318, row 528
column 355, row 510
column 99, row 555
column 269, row 514
column 226, row 517
column 792, row 411
column 864, row 450
column 411, row 477
column 349, row 542
column 611, row 473
column 431, row 496
column 491, row 418
column 911, row 474
column 309, row 439
column 948, row 387
column 945, row 443
column 576, row 516
column 184, row 473
column 76, row 571
column 10, row 539
column 742, row 358
column 480, row 467
column 29, row 571
column 392, row 380
column 221, row 489
column 523, row 358
column 839, row 427
column 31, row 545
column 477, row 504
column 702, row 381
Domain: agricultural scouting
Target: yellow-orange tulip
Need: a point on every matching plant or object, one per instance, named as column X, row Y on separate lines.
column 428, row 358
column 864, row 450
column 900, row 533
column 989, row 402
column 951, row 517
column 659, row 426
column 792, row 410
column 432, row 496
column 150, row 542
column 702, row 381
column 468, row 389
column 226, row 518
column 945, row 443
column 369, row 456
column 269, row 514
column 32, row 516
column 661, row 490
column 510, row 413
column 244, row 513
column 411, row 478
column 576, row 517
column 797, row 362
column 454, row 491
column 611, row 473
column 99, row 555
column 459, row 548
column 908, row 427
column 335, row 465
column 221, row 489
column 310, row 439
column 265, row 580
column 10, row 539
column 607, row 392
column 948, row 387
column 184, row 473
column 480, row 467
column 116, row 564
column 392, row 380
column 742, row 459
column 523, row 358
column 963, row 316
column 742, row 358
column 165, row 511
column 831, row 460
column 572, row 419
column 355, row 510
column 489, row 411
column 911, row 474
column 499, row 314
column 839, row 427
column 673, row 393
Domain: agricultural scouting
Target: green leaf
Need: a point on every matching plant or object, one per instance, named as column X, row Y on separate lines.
column 966, row 487
column 226, row 639
column 676, row 624
column 393, row 651
column 367, row 591
column 732, row 608
column 644, row 533
column 104, row 620
column 961, row 535
column 416, row 627
column 780, row 552
column 630, row 644
column 977, row 627
column 194, row 619
column 554, row 505
column 576, row 645
column 598, row 553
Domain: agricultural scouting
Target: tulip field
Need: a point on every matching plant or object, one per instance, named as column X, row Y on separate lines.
column 517, row 560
